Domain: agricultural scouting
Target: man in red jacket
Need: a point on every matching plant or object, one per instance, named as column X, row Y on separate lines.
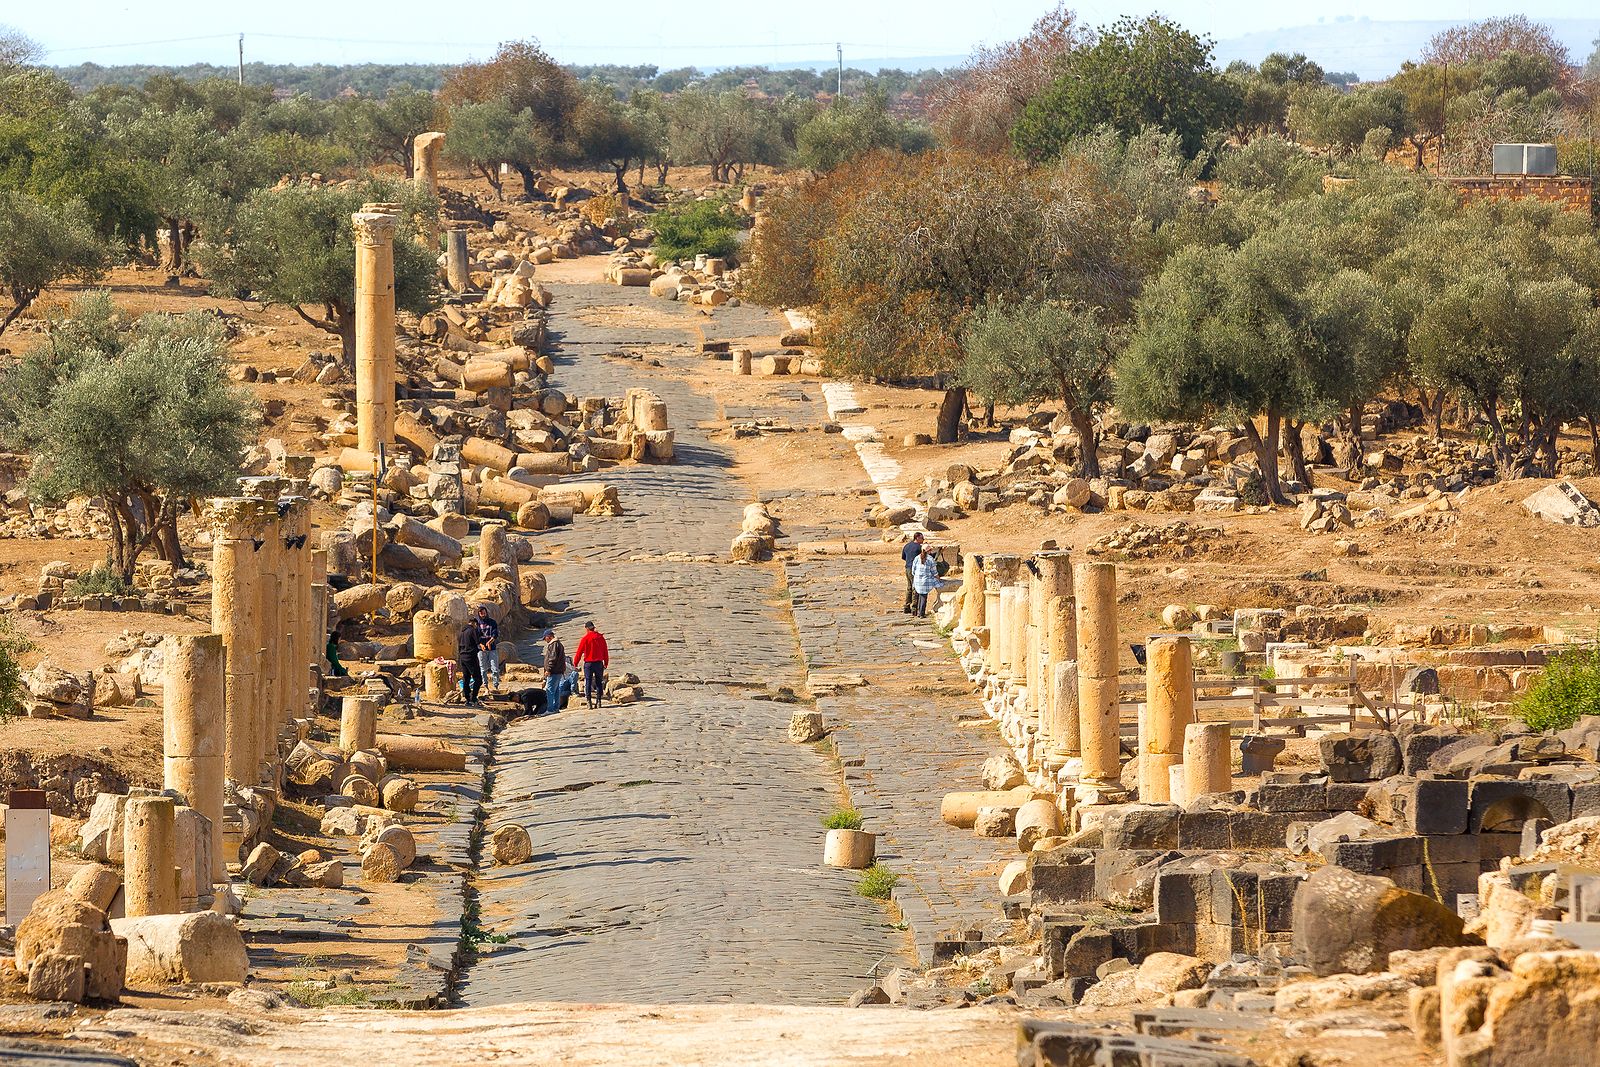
column 594, row 655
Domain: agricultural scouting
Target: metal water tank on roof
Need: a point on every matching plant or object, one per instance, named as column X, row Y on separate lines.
column 1524, row 159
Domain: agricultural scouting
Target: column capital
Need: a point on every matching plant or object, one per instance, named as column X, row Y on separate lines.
column 373, row 229
column 237, row 518
column 268, row 487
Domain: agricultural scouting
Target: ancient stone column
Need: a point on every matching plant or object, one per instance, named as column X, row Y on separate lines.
column 1098, row 643
column 296, row 591
column 358, row 724
column 319, row 613
column 1206, row 759
column 273, row 589
column 433, row 636
column 492, row 548
column 425, row 161
column 972, row 598
column 1062, row 727
column 1168, row 710
column 1000, row 570
column 193, row 714
column 150, row 856
column 991, row 613
column 456, row 267
column 1013, row 632
column 273, row 688
column 238, row 528
column 1050, row 577
column 374, row 330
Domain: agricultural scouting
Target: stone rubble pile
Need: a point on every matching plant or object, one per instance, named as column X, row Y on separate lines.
column 1184, row 468
column 21, row 518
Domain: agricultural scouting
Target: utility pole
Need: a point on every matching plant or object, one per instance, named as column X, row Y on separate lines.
column 840, row 49
column 241, row 61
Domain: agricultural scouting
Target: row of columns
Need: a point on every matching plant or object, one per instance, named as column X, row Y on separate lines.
column 227, row 695
column 1052, row 656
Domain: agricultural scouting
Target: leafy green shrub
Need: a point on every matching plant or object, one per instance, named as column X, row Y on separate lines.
column 1569, row 687
column 843, row 819
column 877, row 882
column 101, row 581
column 686, row 229
column 12, row 646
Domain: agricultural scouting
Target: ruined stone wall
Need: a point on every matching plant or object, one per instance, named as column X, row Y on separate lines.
column 1574, row 194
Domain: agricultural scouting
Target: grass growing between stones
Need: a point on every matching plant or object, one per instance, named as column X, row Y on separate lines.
column 877, row 882
column 315, row 994
column 843, row 819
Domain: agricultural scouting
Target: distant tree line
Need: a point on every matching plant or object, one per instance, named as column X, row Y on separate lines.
column 326, row 81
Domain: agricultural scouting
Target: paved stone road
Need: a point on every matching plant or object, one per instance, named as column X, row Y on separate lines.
column 913, row 733
column 677, row 840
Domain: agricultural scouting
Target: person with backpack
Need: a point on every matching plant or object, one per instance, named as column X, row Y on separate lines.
column 924, row 580
column 555, row 672
column 909, row 554
column 594, row 656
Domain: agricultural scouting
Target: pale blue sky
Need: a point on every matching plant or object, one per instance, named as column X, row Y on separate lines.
column 641, row 31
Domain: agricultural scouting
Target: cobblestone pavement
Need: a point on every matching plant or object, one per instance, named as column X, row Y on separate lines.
column 677, row 840
column 913, row 733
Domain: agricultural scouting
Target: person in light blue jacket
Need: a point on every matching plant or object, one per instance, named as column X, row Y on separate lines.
column 924, row 580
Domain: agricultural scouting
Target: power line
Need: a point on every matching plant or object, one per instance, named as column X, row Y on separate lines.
column 606, row 46
column 137, row 44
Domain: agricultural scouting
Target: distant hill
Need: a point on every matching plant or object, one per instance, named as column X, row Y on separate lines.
column 1374, row 49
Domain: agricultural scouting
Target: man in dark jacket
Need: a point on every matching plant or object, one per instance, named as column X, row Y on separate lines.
column 467, row 661
column 908, row 556
column 555, row 672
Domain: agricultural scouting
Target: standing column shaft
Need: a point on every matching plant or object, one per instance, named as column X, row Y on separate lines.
column 1058, row 722
column 150, row 856
column 1098, row 720
column 999, row 571
column 456, row 268
column 1010, row 603
column 273, row 588
column 193, row 710
column 991, row 611
column 1207, row 761
column 1064, row 733
column 1017, row 633
column 319, row 614
column 238, row 525
column 1168, row 710
column 374, row 233
column 297, row 569
column 358, row 724
column 425, row 161
column 1052, row 580
column 972, row 600
column 271, row 674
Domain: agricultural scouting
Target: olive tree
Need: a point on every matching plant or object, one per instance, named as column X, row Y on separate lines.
column 385, row 130
column 611, row 134
column 1035, row 351
column 296, row 246
column 140, row 415
column 40, row 245
column 1258, row 331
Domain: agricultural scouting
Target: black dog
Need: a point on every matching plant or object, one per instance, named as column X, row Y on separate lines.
column 529, row 701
